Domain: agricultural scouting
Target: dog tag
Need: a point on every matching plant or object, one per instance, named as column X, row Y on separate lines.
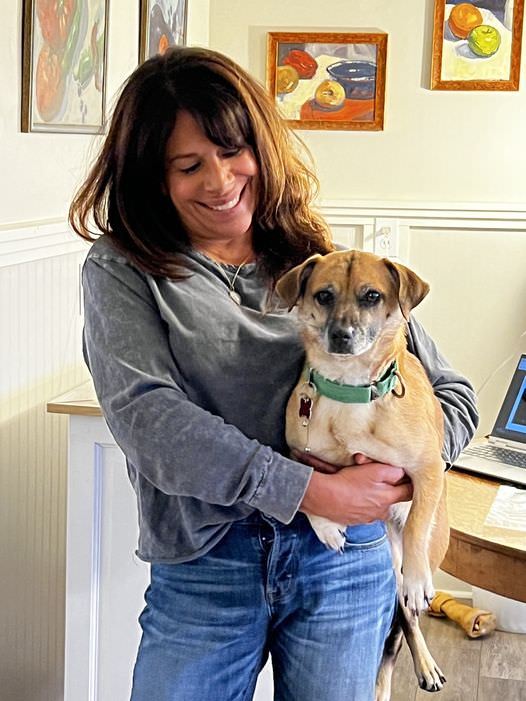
column 305, row 408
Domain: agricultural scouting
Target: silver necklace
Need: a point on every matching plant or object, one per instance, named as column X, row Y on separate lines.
column 232, row 293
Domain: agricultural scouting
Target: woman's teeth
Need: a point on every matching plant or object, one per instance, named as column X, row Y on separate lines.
column 227, row 205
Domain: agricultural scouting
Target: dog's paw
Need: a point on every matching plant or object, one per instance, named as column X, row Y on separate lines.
column 434, row 680
column 333, row 538
column 430, row 676
column 417, row 592
column 331, row 534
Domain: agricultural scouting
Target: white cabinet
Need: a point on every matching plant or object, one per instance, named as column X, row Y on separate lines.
column 105, row 581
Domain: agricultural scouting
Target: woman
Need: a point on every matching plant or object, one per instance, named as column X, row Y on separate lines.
column 203, row 201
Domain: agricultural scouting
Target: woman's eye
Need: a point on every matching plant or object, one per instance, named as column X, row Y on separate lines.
column 231, row 152
column 324, row 297
column 190, row 169
column 370, row 298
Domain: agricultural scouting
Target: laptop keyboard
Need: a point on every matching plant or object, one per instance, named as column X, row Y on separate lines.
column 491, row 452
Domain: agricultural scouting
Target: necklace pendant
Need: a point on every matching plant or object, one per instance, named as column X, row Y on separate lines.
column 235, row 296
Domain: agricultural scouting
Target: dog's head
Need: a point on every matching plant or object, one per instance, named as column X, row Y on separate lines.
column 347, row 299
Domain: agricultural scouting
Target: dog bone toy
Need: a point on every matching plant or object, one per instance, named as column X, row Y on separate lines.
column 474, row 621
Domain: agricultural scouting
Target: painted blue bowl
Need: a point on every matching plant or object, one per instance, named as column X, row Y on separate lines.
column 358, row 78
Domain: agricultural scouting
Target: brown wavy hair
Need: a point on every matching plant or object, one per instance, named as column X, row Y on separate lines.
column 124, row 196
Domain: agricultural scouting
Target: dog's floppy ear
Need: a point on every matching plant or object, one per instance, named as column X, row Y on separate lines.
column 291, row 285
column 411, row 288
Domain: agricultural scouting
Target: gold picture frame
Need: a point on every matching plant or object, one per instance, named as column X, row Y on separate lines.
column 64, row 66
column 162, row 24
column 478, row 46
column 328, row 80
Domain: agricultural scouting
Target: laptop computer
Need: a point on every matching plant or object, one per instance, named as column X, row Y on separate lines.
column 502, row 454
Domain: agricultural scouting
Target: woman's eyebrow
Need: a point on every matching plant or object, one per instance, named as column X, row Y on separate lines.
column 180, row 156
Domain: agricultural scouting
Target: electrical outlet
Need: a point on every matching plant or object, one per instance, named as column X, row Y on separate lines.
column 386, row 237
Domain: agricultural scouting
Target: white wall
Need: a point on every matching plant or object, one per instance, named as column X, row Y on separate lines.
column 436, row 145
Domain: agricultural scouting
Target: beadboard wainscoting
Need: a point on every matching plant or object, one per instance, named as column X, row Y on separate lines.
column 40, row 357
column 472, row 255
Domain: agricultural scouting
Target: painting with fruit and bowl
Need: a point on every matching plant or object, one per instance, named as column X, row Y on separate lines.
column 328, row 80
column 476, row 45
column 64, row 50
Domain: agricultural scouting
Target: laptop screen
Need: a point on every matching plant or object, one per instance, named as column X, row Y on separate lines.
column 511, row 421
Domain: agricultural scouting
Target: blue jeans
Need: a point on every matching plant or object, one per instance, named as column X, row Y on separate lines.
column 209, row 624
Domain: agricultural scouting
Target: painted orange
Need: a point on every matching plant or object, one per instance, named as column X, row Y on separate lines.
column 463, row 18
column 164, row 43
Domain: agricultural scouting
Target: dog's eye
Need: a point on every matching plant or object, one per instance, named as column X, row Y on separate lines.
column 324, row 298
column 370, row 298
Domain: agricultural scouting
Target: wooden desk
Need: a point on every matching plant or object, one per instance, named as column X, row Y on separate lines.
column 486, row 556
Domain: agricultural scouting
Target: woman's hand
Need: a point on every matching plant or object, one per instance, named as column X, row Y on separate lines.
column 360, row 493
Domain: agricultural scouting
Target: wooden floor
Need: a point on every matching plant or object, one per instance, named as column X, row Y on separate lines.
column 488, row 669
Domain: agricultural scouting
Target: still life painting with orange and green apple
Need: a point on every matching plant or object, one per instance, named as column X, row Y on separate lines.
column 477, row 40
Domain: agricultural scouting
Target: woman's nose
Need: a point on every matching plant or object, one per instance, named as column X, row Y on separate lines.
column 218, row 175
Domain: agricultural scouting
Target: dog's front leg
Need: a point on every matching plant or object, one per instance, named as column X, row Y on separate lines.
column 417, row 585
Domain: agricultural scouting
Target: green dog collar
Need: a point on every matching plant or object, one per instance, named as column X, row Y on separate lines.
column 354, row 394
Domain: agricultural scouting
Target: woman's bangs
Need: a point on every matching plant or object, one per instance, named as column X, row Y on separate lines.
column 227, row 125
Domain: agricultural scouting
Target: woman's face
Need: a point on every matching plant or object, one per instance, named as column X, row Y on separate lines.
column 212, row 188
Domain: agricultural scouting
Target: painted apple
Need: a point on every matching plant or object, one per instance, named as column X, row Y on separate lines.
column 330, row 94
column 463, row 18
column 302, row 61
column 287, row 79
column 484, row 40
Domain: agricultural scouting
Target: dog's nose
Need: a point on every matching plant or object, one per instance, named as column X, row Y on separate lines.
column 340, row 340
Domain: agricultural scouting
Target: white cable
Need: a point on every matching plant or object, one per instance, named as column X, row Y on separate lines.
column 504, row 362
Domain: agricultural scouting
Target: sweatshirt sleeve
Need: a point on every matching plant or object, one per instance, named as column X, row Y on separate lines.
column 178, row 446
column 454, row 392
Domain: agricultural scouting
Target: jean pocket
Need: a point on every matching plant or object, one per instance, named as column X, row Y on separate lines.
column 366, row 535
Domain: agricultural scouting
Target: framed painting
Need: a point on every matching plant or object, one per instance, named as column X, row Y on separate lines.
column 477, row 46
column 64, row 65
column 327, row 80
column 162, row 24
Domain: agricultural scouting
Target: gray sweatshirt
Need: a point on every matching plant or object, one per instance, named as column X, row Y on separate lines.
column 194, row 388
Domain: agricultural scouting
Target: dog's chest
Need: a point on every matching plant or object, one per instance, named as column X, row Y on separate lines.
column 331, row 430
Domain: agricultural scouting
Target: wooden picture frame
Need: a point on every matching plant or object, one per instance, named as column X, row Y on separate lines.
column 64, row 66
column 161, row 26
column 328, row 80
column 477, row 47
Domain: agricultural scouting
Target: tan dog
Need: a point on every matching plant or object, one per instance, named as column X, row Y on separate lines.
column 363, row 392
